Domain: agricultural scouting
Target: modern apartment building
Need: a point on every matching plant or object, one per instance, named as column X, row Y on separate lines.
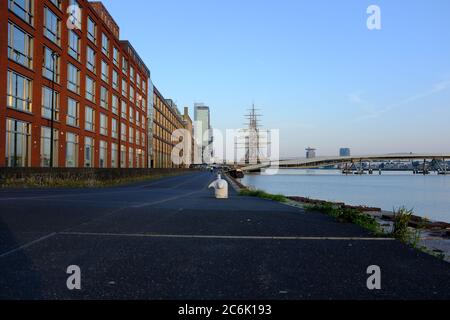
column 56, row 57
column 166, row 119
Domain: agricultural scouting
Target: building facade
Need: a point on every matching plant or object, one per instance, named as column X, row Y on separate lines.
column 202, row 129
column 66, row 56
column 166, row 119
column 344, row 152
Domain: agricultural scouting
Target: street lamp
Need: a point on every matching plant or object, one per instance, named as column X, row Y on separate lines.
column 55, row 55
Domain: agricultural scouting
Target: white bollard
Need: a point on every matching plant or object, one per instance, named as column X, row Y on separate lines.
column 221, row 187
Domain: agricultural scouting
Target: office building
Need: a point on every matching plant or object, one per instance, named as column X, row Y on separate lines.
column 310, row 153
column 344, row 152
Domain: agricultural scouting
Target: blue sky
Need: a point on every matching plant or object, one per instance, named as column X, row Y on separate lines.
column 315, row 70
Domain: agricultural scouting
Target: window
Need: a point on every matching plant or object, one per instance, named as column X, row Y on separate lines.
column 18, row 143
column 116, row 56
column 46, row 138
column 114, row 128
column 115, row 80
column 123, row 132
column 131, row 115
column 138, row 81
column 138, row 119
column 132, row 94
column 90, row 89
column 57, row 3
column 105, row 45
column 115, row 104
column 124, row 65
column 73, row 111
column 124, row 87
column 105, row 72
column 92, row 31
column 103, row 124
column 89, row 120
column 74, row 14
column 123, row 157
column 20, row 91
column 130, row 135
column 52, row 26
column 23, row 9
column 71, row 150
column 73, row 78
column 20, row 46
column 104, row 103
column 130, row 157
column 49, row 65
column 138, row 138
column 74, row 45
column 88, row 152
column 114, row 155
column 132, row 74
column 103, row 154
column 50, row 101
column 143, row 122
column 90, row 59
column 124, row 110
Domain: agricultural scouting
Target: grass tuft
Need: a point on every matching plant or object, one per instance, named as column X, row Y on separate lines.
column 263, row 195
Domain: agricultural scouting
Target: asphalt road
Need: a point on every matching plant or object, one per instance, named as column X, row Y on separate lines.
column 170, row 239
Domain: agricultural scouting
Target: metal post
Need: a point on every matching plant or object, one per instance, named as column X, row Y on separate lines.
column 424, row 166
column 445, row 167
column 52, row 118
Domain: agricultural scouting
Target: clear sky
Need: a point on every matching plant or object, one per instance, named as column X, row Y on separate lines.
column 313, row 67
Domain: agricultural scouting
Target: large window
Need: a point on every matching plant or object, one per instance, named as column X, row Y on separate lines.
column 92, row 31
column 103, row 124
column 105, row 44
column 130, row 157
column 115, row 80
column 57, row 3
column 132, row 94
column 104, row 98
column 20, row 46
column 46, row 139
column 116, row 56
column 130, row 135
column 73, row 78
column 114, row 128
column 115, row 104
column 90, row 59
column 103, row 154
column 105, row 72
column 123, row 132
column 123, row 157
column 88, row 152
column 50, row 100
column 71, row 150
column 114, row 155
column 74, row 45
column 90, row 89
column 89, row 119
column 18, row 143
column 49, row 65
column 124, row 110
column 20, row 91
column 52, row 26
column 124, row 65
column 23, row 9
column 131, row 114
column 132, row 74
column 124, row 87
column 73, row 111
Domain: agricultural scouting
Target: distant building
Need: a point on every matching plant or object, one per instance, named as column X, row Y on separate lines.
column 310, row 153
column 344, row 152
column 202, row 127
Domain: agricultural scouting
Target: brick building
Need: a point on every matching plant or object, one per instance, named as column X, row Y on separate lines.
column 166, row 119
column 52, row 54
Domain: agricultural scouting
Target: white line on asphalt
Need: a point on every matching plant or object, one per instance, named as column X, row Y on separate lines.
column 179, row 236
column 29, row 244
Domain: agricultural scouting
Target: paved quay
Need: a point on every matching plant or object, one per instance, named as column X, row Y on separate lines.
column 170, row 239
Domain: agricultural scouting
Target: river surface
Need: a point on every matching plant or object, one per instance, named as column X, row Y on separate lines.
column 428, row 196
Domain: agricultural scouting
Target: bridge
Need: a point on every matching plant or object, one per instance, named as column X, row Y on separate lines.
column 319, row 162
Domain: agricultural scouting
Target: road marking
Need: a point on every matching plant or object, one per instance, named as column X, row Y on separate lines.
column 29, row 244
column 219, row 237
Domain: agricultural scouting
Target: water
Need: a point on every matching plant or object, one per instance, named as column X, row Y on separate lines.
column 429, row 196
